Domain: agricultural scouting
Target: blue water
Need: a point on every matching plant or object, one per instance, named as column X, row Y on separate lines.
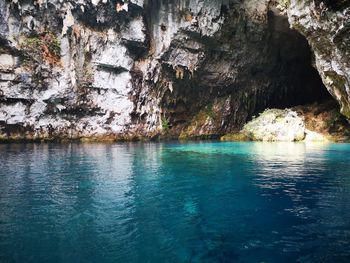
column 172, row 202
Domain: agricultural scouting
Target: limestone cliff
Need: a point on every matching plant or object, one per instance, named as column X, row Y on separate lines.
column 147, row 68
column 326, row 25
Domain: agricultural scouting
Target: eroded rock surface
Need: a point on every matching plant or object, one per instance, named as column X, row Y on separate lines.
column 326, row 25
column 321, row 122
column 114, row 69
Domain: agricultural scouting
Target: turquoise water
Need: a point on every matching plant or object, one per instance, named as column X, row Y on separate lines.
column 172, row 202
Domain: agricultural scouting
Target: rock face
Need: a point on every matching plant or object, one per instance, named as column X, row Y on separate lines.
column 143, row 68
column 323, row 121
column 326, row 25
column 319, row 122
column 64, row 77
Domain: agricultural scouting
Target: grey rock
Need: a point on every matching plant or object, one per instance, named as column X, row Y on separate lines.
column 76, row 69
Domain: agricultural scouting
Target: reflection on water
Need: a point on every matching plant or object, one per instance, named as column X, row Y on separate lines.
column 191, row 202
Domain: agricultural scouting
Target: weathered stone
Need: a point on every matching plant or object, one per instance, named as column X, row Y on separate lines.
column 118, row 70
column 276, row 125
column 327, row 28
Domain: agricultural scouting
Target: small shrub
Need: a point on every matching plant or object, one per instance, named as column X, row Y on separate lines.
column 165, row 124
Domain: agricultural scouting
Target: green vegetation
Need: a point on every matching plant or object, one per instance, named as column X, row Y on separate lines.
column 165, row 124
column 43, row 47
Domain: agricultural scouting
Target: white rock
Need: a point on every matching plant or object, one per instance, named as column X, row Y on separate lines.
column 7, row 60
column 276, row 125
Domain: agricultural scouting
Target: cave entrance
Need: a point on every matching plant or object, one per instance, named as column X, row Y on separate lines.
column 299, row 83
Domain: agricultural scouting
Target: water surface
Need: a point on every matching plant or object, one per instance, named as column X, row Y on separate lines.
column 172, row 202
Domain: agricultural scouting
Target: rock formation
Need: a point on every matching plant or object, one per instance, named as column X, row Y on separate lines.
column 276, row 125
column 319, row 122
column 149, row 68
column 326, row 25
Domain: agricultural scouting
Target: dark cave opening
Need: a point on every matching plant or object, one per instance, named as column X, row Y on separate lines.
column 299, row 82
column 272, row 68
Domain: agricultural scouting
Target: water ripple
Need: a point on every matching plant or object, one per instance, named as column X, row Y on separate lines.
column 176, row 202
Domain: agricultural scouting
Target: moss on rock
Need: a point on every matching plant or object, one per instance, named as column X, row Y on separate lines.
column 42, row 47
column 236, row 137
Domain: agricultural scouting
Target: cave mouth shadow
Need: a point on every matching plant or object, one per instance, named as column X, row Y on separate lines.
column 299, row 81
column 273, row 68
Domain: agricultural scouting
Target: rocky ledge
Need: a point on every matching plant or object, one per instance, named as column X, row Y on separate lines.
column 316, row 122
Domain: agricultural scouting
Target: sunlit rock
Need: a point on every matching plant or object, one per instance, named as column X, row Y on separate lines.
column 276, row 125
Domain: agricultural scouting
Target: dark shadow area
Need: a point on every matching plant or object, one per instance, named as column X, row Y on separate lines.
column 215, row 84
column 298, row 81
